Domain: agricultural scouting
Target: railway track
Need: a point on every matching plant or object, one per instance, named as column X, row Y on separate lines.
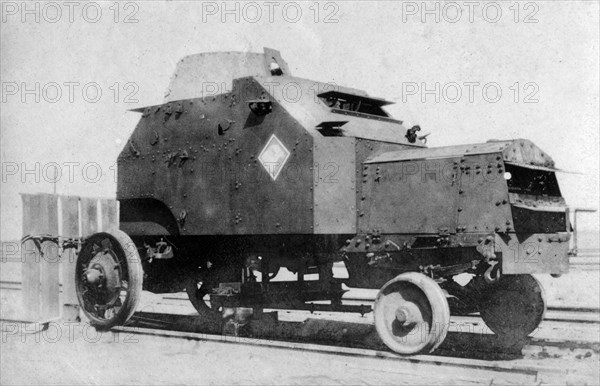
column 516, row 373
column 354, row 332
column 495, row 359
column 150, row 333
column 534, row 361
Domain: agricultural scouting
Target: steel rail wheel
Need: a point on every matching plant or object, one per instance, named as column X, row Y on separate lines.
column 411, row 314
column 108, row 278
column 514, row 306
column 196, row 290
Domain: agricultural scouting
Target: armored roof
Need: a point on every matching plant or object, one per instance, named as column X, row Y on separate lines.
column 214, row 72
column 519, row 152
column 311, row 112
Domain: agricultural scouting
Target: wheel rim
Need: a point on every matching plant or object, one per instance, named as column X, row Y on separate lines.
column 411, row 314
column 197, row 290
column 103, row 281
column 514, row 307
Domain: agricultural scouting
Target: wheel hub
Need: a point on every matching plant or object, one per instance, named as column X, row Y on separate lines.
column 405, row 314
column 95, row 275
column 102, row 276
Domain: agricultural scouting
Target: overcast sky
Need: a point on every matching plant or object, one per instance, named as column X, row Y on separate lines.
column 543, row 53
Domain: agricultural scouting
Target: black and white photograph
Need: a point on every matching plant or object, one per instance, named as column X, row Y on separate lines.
column 300, row 192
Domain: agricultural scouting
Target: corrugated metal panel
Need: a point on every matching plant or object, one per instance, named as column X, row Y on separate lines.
column 40, row 267
column 43, row 269
column 89, row 216
column 70, row 229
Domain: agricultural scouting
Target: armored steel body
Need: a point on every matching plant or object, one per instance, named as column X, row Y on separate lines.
column 245, row 169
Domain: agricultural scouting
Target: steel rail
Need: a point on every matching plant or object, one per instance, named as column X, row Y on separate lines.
column 492, row 366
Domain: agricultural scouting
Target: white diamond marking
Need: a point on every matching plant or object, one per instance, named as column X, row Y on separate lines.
column 273, row 156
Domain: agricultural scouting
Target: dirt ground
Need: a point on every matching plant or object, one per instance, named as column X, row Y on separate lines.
column 78, row 354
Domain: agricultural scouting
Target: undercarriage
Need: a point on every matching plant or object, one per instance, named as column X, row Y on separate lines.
column 418, row 287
